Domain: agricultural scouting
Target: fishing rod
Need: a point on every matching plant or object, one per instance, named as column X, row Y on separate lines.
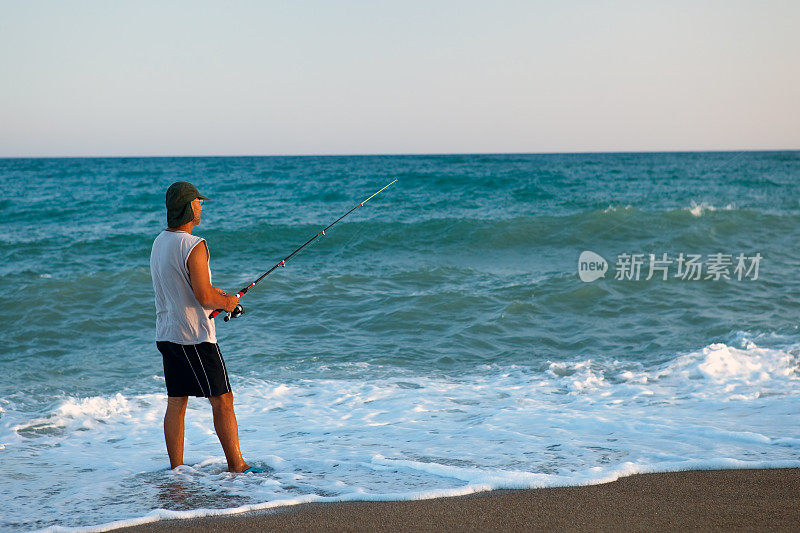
column 238, row 311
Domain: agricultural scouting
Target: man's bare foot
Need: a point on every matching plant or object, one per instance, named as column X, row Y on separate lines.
column 238, row 468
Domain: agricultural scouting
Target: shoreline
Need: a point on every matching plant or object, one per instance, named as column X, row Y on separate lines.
column 738, row 499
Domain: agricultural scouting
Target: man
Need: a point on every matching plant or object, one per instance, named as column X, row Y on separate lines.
column 185, row 336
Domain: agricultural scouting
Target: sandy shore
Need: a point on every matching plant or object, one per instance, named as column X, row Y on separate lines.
column 742, row 500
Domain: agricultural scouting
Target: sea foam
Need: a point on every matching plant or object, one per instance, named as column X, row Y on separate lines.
column 407, row 436
column 697, row 210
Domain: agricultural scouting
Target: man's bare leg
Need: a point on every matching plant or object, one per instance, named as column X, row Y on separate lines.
column 228, row 431
column 173, row 428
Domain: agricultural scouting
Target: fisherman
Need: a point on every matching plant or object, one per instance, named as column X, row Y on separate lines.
column 185, row 335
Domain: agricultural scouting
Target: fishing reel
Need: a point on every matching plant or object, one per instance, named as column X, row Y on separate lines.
column 236, row 313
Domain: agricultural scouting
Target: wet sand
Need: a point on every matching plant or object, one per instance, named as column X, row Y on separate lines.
column 738, row 500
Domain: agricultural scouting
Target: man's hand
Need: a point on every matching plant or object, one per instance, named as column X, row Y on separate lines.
column 231, row 301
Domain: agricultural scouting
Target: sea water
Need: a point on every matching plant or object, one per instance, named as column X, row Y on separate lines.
column 440, row 340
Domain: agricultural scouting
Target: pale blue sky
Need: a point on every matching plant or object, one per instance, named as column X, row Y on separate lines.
column 325, row 77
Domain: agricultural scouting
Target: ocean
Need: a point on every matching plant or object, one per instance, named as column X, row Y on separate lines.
column 487, row 322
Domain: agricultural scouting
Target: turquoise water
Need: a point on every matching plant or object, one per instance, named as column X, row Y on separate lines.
column 464, row 272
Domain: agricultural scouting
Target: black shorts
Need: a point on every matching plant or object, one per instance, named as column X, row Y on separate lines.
column 194, row 369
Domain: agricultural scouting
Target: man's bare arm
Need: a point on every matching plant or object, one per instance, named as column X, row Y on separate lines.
column 209, row 297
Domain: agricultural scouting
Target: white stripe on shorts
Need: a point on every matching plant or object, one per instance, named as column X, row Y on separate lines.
column 193, row 372
column 223, row 366
column 204, row 369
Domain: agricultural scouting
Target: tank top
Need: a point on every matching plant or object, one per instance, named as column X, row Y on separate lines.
column 179, row 316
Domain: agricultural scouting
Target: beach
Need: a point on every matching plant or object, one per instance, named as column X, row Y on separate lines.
column 731, row 500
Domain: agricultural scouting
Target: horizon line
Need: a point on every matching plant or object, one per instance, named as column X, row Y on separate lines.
column 406, row 154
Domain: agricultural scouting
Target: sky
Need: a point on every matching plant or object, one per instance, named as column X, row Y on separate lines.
column 151, row 78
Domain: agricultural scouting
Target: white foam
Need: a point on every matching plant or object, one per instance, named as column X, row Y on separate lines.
column 729, row 373
column 84, row 412
column 698, row 209
column 583, row 379
column 409, row 435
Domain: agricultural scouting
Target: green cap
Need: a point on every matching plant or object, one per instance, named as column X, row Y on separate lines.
column 179, row 203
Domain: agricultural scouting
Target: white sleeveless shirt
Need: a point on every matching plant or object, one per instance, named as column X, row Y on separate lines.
column 179, row 316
